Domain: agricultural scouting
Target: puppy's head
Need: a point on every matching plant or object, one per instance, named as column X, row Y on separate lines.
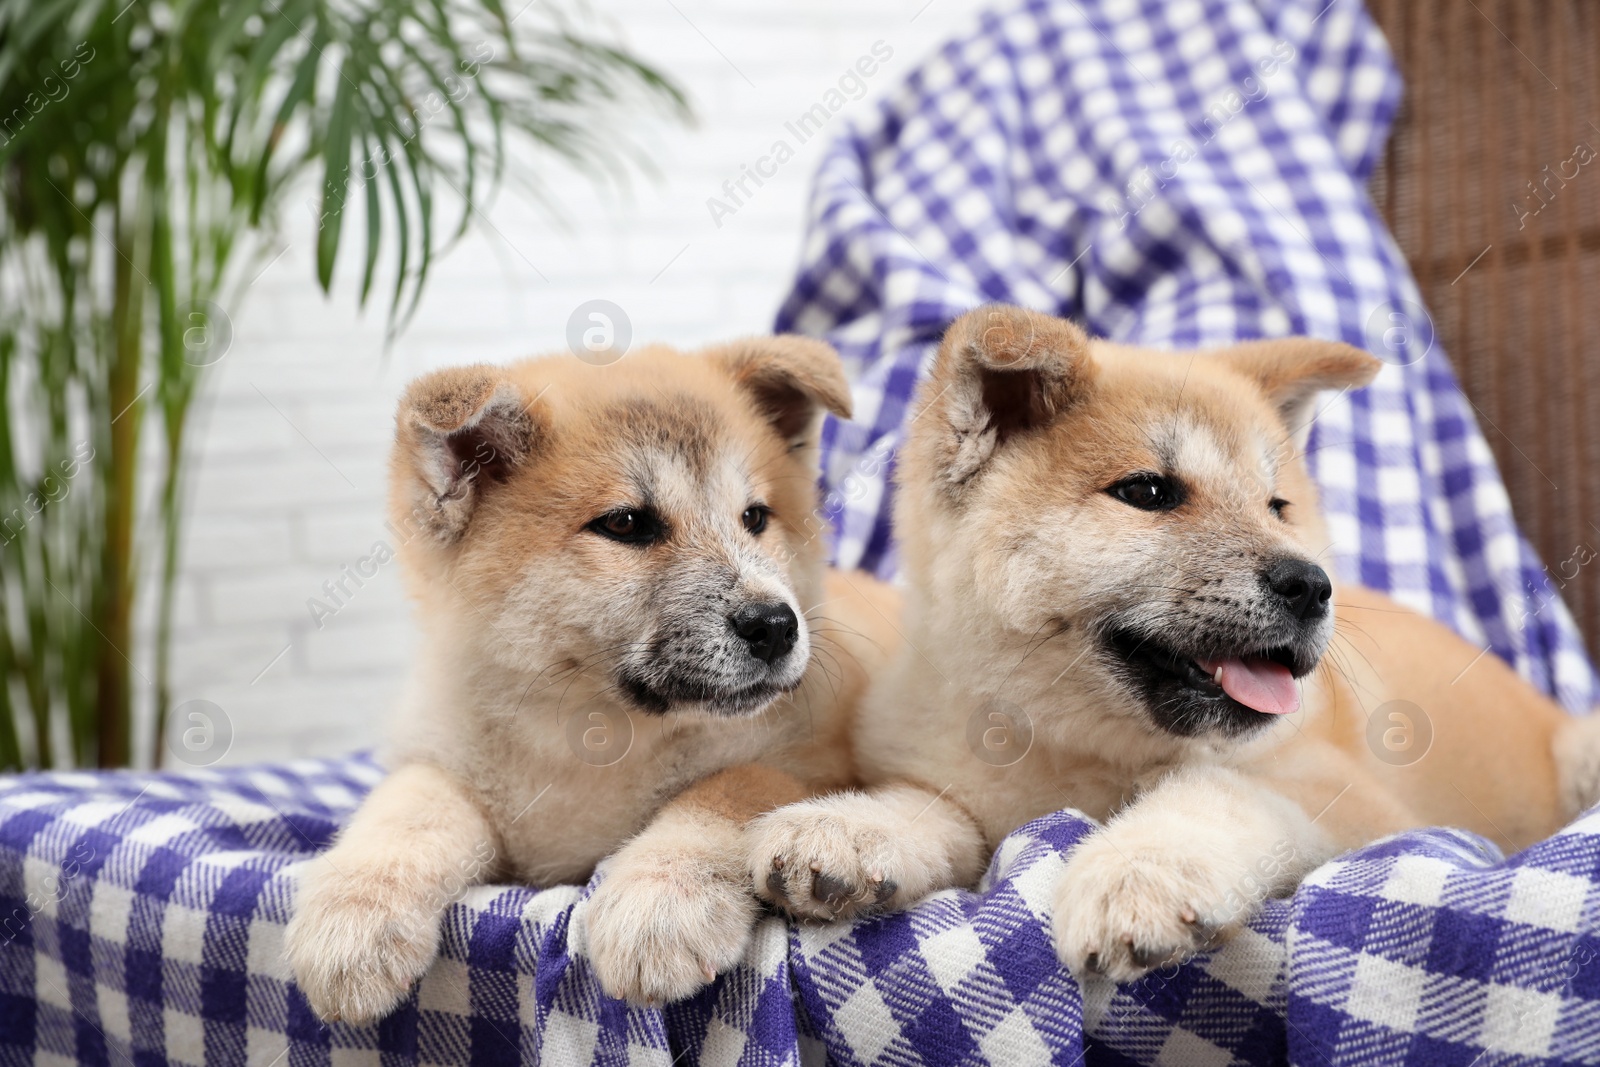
column 646, row 526
column 1139, row 523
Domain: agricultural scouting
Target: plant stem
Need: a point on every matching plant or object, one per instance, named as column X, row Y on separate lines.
column 171, row 530
column 112, row 696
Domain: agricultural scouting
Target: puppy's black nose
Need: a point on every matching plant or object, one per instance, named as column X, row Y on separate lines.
column 769, row 629
column 1303, row 587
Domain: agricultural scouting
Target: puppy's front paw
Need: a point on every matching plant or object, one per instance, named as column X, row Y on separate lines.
column 1124, row 910
column 358, row 944
column 842, row 856
column 663, row 925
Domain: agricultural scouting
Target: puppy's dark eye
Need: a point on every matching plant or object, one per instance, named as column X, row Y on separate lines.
column 631, row 526
column 1148, row 492
column 1278, row 506
column 755, row 517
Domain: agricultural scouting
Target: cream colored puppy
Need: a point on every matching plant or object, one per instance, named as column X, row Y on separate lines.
column 1115, row 604
column 630, row 648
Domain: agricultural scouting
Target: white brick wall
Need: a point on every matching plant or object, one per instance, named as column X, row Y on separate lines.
column 282, row 499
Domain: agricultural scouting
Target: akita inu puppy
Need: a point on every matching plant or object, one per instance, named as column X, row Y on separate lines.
column 1115, row 604
column 628, row 640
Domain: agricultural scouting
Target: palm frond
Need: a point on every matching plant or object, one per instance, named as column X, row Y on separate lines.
column 144, row 144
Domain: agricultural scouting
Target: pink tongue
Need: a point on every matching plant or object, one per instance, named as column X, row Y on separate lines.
column 1259, row 684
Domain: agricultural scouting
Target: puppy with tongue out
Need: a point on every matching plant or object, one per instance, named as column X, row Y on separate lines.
column 1116, row 603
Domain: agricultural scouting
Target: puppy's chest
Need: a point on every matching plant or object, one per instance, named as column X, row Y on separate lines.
column 570, row 813
column 679, row 754
column 1099, row 796
column 1093, row 788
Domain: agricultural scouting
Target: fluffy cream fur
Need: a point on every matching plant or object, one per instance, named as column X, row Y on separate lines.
column 1023, row 567
column 576, row 698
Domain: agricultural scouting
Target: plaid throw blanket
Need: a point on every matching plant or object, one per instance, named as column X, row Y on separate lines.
column 142, row 916
column 1167, row 172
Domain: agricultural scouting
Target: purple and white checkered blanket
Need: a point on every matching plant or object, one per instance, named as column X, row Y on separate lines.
column 1168, row 172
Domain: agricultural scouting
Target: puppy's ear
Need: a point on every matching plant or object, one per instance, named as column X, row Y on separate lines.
column 1001, row 371
column 1293, row 370
column 457, row 432
column 792, row 379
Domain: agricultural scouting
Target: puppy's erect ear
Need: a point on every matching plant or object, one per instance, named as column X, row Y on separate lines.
column 458, row 430
column 1293, row 370
column 1001, row 371
column 792, row 379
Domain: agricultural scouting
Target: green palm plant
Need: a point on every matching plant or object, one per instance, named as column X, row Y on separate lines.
column 146, row 149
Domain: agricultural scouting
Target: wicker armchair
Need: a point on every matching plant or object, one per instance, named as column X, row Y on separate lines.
column 1492, row 188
